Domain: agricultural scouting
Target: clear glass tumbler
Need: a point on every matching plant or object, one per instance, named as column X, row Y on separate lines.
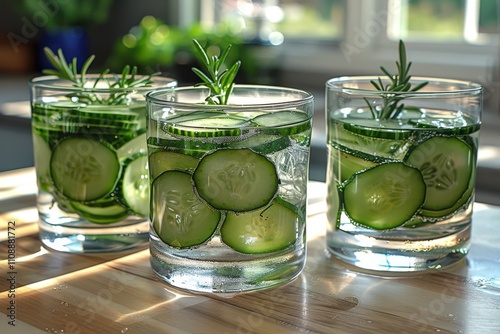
column 401, row 172
column 229, row 187
column 91, row 163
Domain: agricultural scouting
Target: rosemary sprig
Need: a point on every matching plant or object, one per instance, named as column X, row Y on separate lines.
column 69, row 71
column 65, row 70
column 391, row 92
column 219, row 80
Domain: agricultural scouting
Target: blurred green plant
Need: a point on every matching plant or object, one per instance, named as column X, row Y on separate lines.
column 66, row 13
column 155, row 46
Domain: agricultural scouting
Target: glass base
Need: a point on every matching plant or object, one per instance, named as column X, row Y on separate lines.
column 95, row 240
column 399, row 255
column 226, row 277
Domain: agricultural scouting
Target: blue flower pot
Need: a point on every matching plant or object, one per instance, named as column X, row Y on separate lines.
column 72, row 41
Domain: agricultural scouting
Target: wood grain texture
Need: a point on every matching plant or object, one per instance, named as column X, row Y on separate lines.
column 118, row 293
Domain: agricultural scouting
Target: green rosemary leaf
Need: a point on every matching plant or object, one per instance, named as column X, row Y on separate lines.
column 223, row 55
column 230, row 75
column 218, row 80
column 125, row 73
column 408, row 68
column 406, row 87
column 402, row 59
column 374, row 83
column 398, row 88
column 400, row 83
column 69, row 71
column 382, row 87
column 203, row 77
column 386, row 72
column 374, row 114
column 420, row 86
column 201, row 52
column 65, row 67
column 85, row 67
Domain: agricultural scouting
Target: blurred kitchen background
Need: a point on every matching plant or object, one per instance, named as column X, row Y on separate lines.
column 295, row 43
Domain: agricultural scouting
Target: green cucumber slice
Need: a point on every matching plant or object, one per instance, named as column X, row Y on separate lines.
column 193, row 148
column 451, row 127
column 262, row 143
column 447, row 164
column 346, row 164
column 348, row 141
column 135, row 185
column 104, row 211
column 67, row 115
column 84, row 169
column 111, row 113
column 385, row 196
column 334, row 205
column 386, row 129
column 466, row 198
column 284, row 123
column 192, row 116
column 133, row 147
column 220, row 126
column 263, row 231
column 42, row 162
column 62, row 105
column 179, row 217
column 236, row 180
column 162, row 161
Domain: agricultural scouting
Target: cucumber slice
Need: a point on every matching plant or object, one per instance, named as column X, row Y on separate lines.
column 111, row 113
column 345, row 164
column 263, row 231
column 63, row 105
column 84, row 169
column 348, row 141
column 133, row 147
column 333, row 205
column 262, row 143
column 466, row 198
column 385, row 196
column 135, row 185
column 236, row 180
column 67, row 115
column 220, row 126
column 106, row 211
column 284, row 122
column 193, row 148
column 179, row 217
column 42, row 162
column 386, row 129
column 447, row 126
column 447, row 164
column 162, row 161
column 192, row 116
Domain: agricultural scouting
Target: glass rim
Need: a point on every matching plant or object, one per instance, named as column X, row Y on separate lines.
column 54, row 82
column 462, row 86
column 306, row 97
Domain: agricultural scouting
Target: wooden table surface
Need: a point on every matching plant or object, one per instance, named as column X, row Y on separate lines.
column 44, row 291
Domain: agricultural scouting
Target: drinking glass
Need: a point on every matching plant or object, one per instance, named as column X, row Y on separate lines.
column 401, row 172
column 91, row 163
column 228, row 187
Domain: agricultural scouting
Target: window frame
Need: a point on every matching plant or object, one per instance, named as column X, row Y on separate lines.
column 366, row 46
